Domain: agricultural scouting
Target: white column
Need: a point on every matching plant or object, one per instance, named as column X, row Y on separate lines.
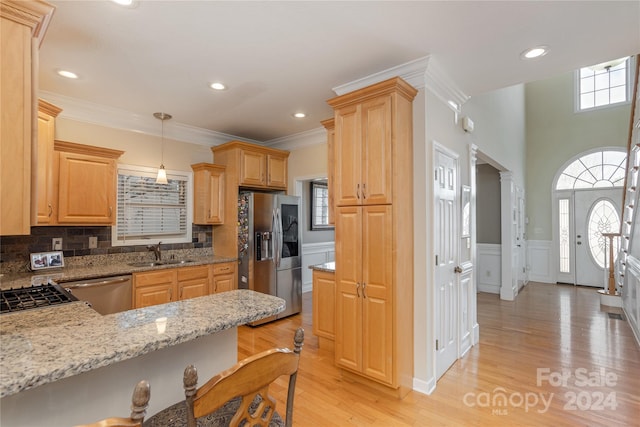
column 507, row 211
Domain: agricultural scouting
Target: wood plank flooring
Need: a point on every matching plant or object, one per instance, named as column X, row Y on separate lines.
column 552, row 357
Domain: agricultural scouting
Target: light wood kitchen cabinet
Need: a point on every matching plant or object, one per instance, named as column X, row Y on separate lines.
column 364, row 298
column 86, row 184
column 247, row 166
column 329, row 125
column 42, row 185
column 193, row 281
column 373, row 183
column 224, row 277
column 363, row 153
column 324, row 307
column 22, row 28
column 208, row 183
column 256, row 166
column 154, row 287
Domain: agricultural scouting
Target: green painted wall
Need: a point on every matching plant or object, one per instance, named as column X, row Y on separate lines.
column 555, row 134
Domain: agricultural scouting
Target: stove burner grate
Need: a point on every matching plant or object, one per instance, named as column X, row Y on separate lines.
column 20, row 299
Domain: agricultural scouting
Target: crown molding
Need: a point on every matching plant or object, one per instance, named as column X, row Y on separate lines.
column 412, row 72
column 299, row 140
column 88, row 112
column 439, row 82
column 420, row 73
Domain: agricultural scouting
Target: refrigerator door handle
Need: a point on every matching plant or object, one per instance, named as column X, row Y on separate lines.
column 278, row 231
column 274, row 225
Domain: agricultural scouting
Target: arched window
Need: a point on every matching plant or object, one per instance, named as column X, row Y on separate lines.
column 601, row 169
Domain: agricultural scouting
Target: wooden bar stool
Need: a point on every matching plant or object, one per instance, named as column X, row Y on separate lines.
column 139, row 403
column 237, row 395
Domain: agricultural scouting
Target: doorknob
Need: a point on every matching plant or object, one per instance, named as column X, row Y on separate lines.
column 457, row 269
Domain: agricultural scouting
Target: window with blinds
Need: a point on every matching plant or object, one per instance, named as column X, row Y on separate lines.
column 147, row 211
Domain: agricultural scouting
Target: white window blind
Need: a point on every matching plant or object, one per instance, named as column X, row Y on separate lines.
column 149, row 211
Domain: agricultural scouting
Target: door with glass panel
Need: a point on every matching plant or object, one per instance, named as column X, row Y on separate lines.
column 596, row 212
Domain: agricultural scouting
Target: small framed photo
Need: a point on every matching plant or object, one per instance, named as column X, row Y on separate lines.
column 43, row 260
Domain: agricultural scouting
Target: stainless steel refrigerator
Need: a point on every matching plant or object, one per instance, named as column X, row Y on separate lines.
column 270, row 250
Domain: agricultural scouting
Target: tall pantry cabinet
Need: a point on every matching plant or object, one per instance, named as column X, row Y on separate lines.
column 22, row 28
column 373, row 186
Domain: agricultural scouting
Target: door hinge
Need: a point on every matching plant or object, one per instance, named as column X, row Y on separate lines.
column 436, row 259
column 436, row 174
column 437, row 345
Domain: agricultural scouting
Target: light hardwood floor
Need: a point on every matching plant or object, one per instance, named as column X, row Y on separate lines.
column 525, row 347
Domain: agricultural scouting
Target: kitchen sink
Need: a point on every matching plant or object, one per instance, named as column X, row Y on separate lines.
column 146, row 263
column 156, row 263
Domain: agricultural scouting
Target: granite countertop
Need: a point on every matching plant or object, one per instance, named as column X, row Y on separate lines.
column 94, row 271
column 329, row 267
column 44, row 345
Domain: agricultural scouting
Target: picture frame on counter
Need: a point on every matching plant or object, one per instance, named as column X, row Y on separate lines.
column 45, row 260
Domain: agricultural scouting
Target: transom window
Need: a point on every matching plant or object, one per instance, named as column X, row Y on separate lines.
column 601, row 169
column 147, row 211
column 604, row 84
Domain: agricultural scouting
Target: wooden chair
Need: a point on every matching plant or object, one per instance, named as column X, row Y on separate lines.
column 139, row 403
column 237, row 395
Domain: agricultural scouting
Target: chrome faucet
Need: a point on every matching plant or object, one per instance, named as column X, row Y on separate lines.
column 156, row 251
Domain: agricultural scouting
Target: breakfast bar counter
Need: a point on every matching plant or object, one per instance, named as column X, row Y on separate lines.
column 68, row 364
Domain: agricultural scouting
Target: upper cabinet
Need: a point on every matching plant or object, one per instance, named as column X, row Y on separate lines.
column 363, row 150
column 86, row 184
column 257, row 167
column 22, row 28
column 42, row 184
column 208, row 184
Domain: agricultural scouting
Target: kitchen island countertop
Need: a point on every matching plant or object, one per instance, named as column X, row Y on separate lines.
column 48, row 344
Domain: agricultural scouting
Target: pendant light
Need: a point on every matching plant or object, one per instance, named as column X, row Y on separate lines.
column 162, row 174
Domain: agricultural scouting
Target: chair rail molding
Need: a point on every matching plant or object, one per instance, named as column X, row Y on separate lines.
column 489, row 267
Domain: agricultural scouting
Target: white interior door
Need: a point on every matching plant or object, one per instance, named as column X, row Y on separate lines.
column 595, row 212
column 446, row 250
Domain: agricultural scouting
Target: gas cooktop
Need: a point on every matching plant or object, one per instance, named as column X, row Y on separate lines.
column 21, row 299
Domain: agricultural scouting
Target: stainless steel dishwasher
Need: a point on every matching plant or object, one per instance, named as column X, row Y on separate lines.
column 106, row 295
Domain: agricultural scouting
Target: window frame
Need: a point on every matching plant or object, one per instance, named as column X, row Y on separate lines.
column 151, row 172
column 320, row 184
column 630, row 67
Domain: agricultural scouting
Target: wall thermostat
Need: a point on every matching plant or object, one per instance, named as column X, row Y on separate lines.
column 467, row 124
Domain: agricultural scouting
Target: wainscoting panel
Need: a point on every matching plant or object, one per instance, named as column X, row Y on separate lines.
column 313, row 254
column 540, row 263
column 631, row 295
column 489, row 267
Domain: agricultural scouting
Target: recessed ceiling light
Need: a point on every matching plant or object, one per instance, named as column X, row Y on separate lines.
column 534, row 52
column 126, row 3
column 217, row 86
column 299, row 115
column 67, row 74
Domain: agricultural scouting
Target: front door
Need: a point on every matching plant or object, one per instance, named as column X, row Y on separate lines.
column 596, row 212
column 446, row 251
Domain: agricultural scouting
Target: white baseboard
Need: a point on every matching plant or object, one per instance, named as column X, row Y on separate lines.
column 424, row 387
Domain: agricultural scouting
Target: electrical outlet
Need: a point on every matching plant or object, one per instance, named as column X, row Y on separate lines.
column 93, row 242
column 202, row 237
column 56, row 244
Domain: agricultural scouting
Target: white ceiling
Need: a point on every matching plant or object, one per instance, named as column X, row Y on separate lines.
column 281, row 57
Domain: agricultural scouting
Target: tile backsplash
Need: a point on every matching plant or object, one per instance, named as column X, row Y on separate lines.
column 15, row 250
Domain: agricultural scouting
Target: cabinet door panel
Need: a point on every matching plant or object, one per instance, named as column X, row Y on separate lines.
column 224, row 282
column 377, row 277
column 348, row 345
column 277, row 171
column 347, row 156
column 153, row 295
column 44, row 172
column 252, row 168
column 194, row 288
column 86, row 189
column 216, row 198
column 324, row 303
column 377, row 165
